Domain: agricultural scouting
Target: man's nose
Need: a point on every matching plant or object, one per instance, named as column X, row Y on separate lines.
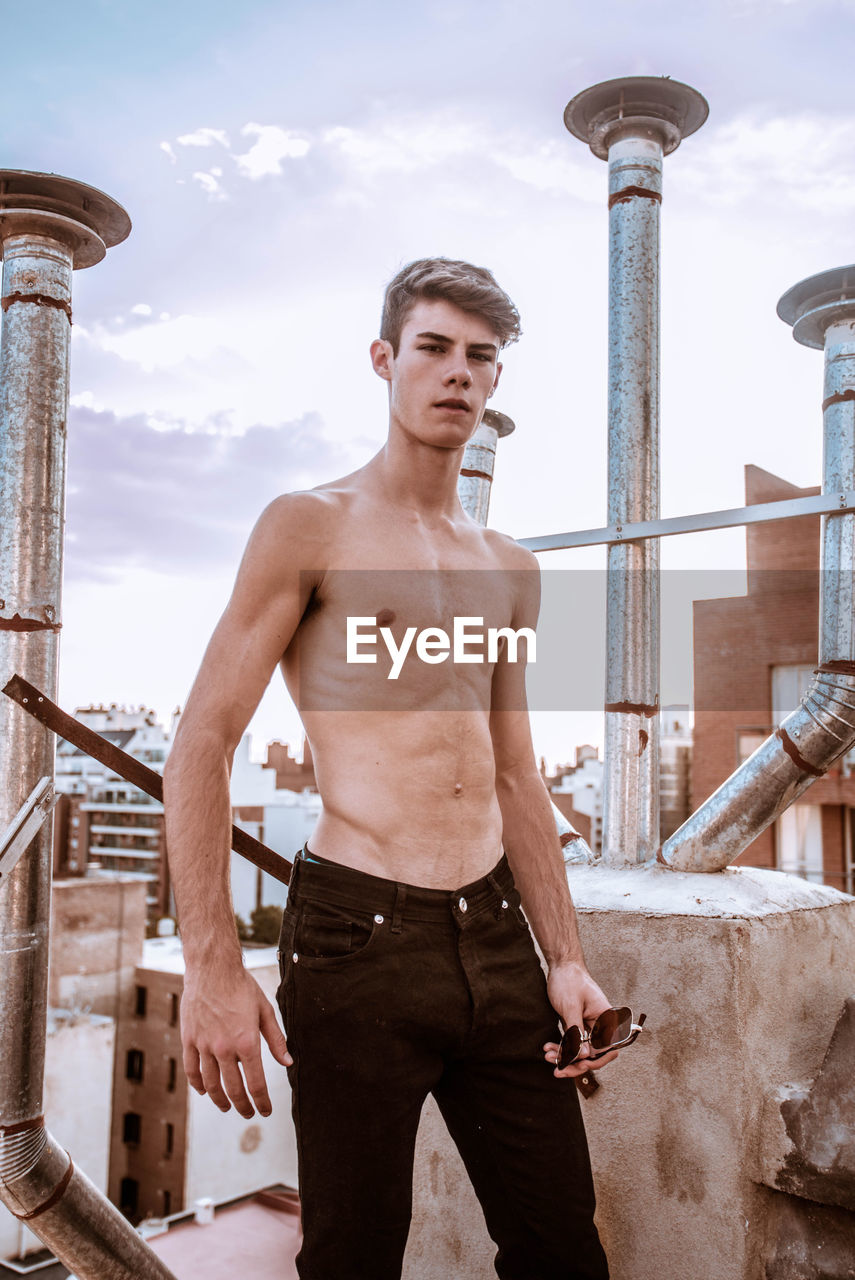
column 458, row 373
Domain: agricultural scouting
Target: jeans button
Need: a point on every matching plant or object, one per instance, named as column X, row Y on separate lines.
column 463, row 904
column 378, row 919
column 504, row 905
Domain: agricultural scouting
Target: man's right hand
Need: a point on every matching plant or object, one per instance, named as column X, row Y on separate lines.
column 222, row 1021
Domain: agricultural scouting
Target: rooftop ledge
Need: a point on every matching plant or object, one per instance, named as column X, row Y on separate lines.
column 741, row 893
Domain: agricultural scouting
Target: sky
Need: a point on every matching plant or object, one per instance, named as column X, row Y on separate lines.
column 281, row 161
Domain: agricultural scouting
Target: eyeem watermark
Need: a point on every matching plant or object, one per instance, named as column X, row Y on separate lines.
column 433, row 645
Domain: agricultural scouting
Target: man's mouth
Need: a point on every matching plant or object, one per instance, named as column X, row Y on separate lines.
column 451, row 404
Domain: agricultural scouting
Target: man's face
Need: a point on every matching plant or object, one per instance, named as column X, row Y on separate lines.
column 446, row 368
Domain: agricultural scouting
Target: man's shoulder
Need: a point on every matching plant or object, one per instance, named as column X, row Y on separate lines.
column 507, row 553
column 307, row 512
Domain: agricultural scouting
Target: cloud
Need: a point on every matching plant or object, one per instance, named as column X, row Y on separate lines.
column 175, row 501
column 210, row 183
column 204, row 137
column 165, row 343
column 165, row 146
column 804, row 160
column 140, row 309
column 273, row 145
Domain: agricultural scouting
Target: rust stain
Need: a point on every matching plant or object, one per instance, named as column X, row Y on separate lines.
column 17, row 623
column 568, row 837
column 660, row 857
column 54, row 1197
column 634, row 708
column 838, row 666
column 795, row 755
column 838, row 398
column 629, row 193
column 479, row 475
column 643, row 739
column 21, row 1126
column 39, row 299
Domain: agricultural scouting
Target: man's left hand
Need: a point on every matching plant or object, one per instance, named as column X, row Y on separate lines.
column 578, row 1001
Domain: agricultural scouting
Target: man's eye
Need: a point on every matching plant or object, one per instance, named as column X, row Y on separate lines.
column 427, row 346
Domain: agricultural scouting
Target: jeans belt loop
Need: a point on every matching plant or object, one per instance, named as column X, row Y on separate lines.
column 494, row 884
column 398, row 909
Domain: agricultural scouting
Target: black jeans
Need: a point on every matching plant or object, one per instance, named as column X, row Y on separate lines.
column 390, row 992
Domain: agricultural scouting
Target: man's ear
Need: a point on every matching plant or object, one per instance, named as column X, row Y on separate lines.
column 499, row 368
column 382, row 358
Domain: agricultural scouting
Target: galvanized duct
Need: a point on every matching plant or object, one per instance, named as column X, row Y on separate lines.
column 821, row 310
column 633, row 122
column 48, row 225
column 479, row 458
column 473, row 489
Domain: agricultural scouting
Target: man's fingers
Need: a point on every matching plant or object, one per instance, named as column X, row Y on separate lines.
column 192, row 1069
column 211, row 1082
column 584, row 1065
column 272, row 1033
column 233, row 1081
column 253, row 1071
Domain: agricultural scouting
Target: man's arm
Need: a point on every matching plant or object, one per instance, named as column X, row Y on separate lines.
column 223, row 1009
column 531, row 839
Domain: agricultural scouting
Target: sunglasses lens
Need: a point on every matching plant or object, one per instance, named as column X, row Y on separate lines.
column 611, row 1027
column 571, row 1043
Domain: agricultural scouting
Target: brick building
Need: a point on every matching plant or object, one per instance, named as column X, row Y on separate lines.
column 170, row 1147
column 754, row 656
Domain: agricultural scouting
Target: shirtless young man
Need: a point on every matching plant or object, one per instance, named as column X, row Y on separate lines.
column 407, row 965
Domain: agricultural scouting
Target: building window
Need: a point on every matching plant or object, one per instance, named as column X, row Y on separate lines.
column 129, row 1195
column 131, row 1127
column 169, row 1140
column 171, row 1075
column 142, row 1001
column 789, row 684
column 173, row 1009
column 799, row 841
column 748, row 740
column 135, row 1065
column 167, row 1203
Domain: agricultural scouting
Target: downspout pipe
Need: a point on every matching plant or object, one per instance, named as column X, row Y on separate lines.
column 474, row 486
column 632, row 123
column 48, row 226
column 821, row 310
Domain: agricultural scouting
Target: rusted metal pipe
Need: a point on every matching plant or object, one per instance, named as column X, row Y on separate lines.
column 473, row 489
column 821, row 310
column 48, row 226
column 633, row 122
column 479, row 458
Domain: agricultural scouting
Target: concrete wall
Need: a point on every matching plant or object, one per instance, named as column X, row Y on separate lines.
column 742, row 975
column 97, row 932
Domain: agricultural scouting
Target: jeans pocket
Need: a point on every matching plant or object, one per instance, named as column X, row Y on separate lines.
column 326, row 934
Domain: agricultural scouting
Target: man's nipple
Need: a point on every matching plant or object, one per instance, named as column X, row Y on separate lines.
column 385, row 618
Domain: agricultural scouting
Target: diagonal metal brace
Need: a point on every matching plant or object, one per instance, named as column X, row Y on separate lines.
column 26, row 824
column 80, row 735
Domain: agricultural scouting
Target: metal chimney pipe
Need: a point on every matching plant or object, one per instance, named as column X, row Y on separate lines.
column 479, row 458
column 48, row 226
column 821, row 310
column 633, row 122
column 473, row 489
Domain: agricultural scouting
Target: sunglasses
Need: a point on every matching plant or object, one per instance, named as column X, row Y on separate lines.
column 614, row 1029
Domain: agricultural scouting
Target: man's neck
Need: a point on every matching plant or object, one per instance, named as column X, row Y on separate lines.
column 419, row 477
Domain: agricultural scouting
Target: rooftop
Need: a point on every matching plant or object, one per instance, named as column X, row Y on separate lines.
column 165, row 955
column 244, row 1239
